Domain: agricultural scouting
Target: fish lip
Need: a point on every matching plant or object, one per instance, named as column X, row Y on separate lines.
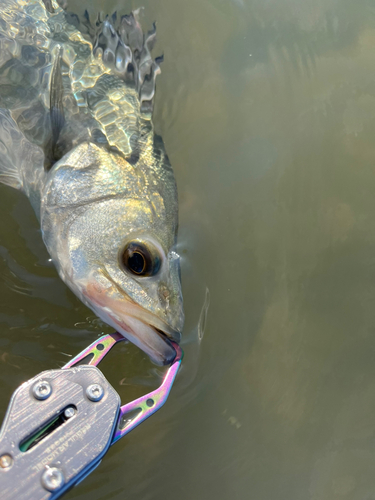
column 151, row 320
column 167, row 333
column 170, row 338
column 157, row 324
column 174, row 336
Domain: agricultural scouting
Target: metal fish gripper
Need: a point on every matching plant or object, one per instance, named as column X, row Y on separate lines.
column 60, row 424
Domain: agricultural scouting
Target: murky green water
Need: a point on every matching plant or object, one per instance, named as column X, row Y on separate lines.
column 267, row 109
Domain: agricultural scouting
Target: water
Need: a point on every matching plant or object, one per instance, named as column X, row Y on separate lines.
column 267, row 109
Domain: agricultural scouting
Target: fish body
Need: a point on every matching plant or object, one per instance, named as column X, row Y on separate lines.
column 76, row 136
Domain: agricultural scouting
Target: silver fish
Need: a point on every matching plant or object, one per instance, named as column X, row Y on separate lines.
column 76, row 136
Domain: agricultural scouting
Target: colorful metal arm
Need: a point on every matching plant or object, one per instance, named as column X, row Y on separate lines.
column 141, row 408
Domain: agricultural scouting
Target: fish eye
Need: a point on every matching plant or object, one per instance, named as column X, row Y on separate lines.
column 140, row 259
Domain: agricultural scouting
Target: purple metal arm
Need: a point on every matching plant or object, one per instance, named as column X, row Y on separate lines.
column 96, row 351
column 141, row 408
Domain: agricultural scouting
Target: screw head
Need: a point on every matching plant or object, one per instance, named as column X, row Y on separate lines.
column 42, row 390
column 69, row 412
column 52, row 479
column 6, row 461
column 95, row 392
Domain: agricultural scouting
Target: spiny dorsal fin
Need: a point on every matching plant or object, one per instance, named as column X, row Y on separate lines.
column 48, row 5
column 125, row 49
column 57, row 118
column 115, row 82
column 56, row 100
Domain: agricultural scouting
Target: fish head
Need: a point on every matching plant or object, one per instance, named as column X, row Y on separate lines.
column 116, row 249
column 137, row 290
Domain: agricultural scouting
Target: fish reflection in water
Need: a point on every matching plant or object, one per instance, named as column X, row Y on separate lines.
column 76, row 134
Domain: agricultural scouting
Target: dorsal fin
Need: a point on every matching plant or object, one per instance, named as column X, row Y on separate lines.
column 56, row 112
column 56, row 101
column 125, row 49
column 112, row 82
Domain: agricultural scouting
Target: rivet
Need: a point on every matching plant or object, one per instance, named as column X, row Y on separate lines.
column 69, row 412
column 6, row 461
column 95, row 392
column 52, row 479
column 42, row 390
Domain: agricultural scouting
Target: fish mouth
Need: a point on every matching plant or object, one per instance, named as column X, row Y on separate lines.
column 143, row 328
column 153, row 341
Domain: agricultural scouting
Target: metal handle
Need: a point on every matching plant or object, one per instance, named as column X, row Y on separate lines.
column 58, row 426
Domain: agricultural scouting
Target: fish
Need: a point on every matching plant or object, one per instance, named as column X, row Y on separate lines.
column 77, row 138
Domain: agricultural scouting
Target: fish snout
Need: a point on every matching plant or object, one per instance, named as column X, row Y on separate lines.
column 151, row 329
